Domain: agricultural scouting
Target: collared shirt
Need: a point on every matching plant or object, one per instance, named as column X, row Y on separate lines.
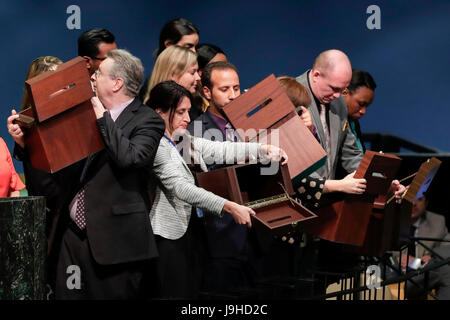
column 114, row 113
column 222, row 124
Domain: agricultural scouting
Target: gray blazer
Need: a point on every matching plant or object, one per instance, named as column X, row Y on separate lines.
column 344, row 149
column 433, row 226
column 176, row 191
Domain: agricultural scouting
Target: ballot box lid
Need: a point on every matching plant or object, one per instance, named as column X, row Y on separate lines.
column 260, row 107
column 269, row 195
column 422, row 179
column 54, row 92
column 246, row 182
column 379, row 169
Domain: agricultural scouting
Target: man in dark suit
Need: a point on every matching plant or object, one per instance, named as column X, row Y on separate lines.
column 233, row 249
column 93, row 45
column 109, row 242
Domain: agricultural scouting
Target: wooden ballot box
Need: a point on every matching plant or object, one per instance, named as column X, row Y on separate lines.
column 389, row 222
column 344, row 218
column 60, row 126
column 266, row 113
column 268, row 195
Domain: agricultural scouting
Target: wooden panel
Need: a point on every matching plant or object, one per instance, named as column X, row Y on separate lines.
column 53, row 92
column 423, row 179
column 259, row 108
column 282, row 218
column 276, row 122
column 65, row 139
column 302, row 148
column 343, row 221
column 379, row 169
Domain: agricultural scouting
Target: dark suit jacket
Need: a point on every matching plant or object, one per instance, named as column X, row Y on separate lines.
column 116, row 198
column 226, row 239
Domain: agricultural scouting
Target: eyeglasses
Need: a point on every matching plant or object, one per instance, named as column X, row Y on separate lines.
column 101, row 59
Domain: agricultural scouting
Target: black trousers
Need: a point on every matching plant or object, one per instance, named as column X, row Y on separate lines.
column 176, row 267
column 115, row 282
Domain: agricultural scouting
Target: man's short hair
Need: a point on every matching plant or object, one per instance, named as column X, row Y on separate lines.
column 127, row 67
column 89, row 40
column 219, row 65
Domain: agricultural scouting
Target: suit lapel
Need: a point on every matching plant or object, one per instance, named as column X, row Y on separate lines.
column 127, row 113
column 313, row 109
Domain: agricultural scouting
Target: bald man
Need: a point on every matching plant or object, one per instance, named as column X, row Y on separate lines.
column 329, row 76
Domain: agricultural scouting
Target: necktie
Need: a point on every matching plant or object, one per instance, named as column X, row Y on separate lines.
column 326, row 131
column 80, row 217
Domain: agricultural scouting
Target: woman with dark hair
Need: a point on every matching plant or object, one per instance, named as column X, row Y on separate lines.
column 179, row 32
column 208, row 53
column 176, row 192
column 358, row 96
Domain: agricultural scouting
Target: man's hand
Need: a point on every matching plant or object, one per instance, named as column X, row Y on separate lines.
column 347, row 185
column 98, row 107
column 307, row 120
column 398, row 189
column 241, row 214
column 274, row 153
column 425, row 259
column 14, row 129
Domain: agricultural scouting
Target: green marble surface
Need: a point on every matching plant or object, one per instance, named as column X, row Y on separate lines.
column 23, row 248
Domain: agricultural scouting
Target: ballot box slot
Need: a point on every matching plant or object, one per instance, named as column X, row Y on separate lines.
column 279, row 219
column 60, row 91
column 258, row 108
column 378, row 175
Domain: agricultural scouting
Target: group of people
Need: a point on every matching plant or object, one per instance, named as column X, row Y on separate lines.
column 132, row 216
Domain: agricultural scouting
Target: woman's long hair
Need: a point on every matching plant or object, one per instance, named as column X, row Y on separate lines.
column 38, row 66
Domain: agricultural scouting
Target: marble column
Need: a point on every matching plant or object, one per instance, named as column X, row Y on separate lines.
column 23, row 248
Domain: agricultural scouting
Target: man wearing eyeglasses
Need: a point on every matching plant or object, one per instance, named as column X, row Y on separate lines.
column 329, row 77
column 93, row 45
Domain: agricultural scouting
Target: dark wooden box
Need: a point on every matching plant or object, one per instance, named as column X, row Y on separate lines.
column 389, row 223
column 345, row 218
column 265, row 113
column 60, row 127
column 245, row 185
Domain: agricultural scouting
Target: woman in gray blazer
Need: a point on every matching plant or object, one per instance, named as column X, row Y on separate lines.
column 176, row 191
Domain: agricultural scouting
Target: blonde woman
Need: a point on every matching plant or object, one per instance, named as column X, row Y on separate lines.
column 38, row 66
column 178, row 64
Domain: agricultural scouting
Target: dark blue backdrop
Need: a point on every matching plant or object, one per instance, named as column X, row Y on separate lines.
column 408, row 57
